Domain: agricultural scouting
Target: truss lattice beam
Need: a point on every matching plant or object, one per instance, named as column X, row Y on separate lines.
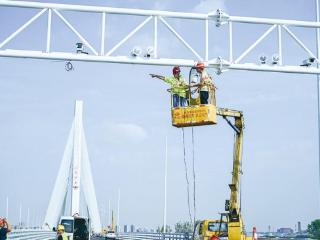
column 140, row 12
column 269, row 21
column 75, row 31
column 255, row 44
column 160, row 17
column 100, row 9
column 129, row 35
column 215, row 63
column 24, row 26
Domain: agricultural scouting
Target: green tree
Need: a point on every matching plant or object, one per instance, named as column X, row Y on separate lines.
column 314, row 229
column 160, row 229
column 183, row 227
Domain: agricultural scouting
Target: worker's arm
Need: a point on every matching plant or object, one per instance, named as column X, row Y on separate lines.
column 157, row 76
column 7, row 225
column 195, row 85
column 211, row 83
column 212, row 86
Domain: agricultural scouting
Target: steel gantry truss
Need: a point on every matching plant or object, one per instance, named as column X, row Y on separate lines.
column 161, row 17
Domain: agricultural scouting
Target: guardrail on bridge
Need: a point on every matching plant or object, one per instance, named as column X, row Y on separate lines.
column 153, row 236
column 34, row 234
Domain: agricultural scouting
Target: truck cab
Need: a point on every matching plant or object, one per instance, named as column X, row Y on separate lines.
column 76, row 228
column 211, row 230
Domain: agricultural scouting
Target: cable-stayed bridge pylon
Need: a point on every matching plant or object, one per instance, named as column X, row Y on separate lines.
column 74, row 177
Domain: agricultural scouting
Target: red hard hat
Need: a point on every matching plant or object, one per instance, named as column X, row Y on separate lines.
column 176, row 70
column 200, row 65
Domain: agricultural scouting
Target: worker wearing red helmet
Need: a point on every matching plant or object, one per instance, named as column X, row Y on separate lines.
column 178, row 87
column 206, row 85
column 5, row 228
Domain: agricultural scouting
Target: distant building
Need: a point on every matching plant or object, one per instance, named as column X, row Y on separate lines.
column 118, row 228
column 285, row 230
column 299, row 227
column 132, row 228
column 125, row 228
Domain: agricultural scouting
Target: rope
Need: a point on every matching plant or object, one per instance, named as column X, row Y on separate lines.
column 186, row 172
column 194, row 181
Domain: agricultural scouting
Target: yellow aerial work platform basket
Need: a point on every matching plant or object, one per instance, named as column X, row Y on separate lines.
column 194, row 115
column 197, row 110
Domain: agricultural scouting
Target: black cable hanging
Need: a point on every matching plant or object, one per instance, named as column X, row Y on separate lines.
column 194, row 181
column 186, row 174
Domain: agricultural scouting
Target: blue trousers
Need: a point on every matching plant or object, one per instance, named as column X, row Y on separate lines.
column 179, row 101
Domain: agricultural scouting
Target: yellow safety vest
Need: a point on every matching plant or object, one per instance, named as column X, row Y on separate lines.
column 178, row 86
column 65, row 237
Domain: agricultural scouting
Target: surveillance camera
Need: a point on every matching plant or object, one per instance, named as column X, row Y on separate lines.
column 312, row 59
column 275, row 59
column 149, row 52
column 305, row 63
column 136, row 51
column 308, row 62
column 79, row 47
column 263, row 59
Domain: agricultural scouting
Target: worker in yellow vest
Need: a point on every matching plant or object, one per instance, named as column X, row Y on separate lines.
column 179, row 87
column 60, row 233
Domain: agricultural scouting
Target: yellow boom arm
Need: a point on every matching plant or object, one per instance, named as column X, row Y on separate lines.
column 235, row 223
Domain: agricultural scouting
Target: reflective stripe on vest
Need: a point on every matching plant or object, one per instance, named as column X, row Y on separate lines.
column 64, row 236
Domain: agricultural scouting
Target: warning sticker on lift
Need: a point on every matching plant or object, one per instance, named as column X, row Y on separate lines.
column 194, row 115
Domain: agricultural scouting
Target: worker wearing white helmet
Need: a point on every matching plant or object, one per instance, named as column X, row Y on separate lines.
column 206, row 85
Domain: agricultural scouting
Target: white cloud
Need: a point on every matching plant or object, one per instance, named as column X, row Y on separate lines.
column 206, row 6
column 125, row 133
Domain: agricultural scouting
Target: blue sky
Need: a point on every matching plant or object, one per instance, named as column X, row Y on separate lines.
column 127, row 117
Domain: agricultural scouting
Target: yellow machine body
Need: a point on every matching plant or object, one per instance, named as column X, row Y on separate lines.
column 233, row 215
column 206, row 229
column 194, row 115
column 236, row 231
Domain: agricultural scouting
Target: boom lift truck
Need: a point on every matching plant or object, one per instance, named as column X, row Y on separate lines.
column 231, row 223
column 111, row 231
